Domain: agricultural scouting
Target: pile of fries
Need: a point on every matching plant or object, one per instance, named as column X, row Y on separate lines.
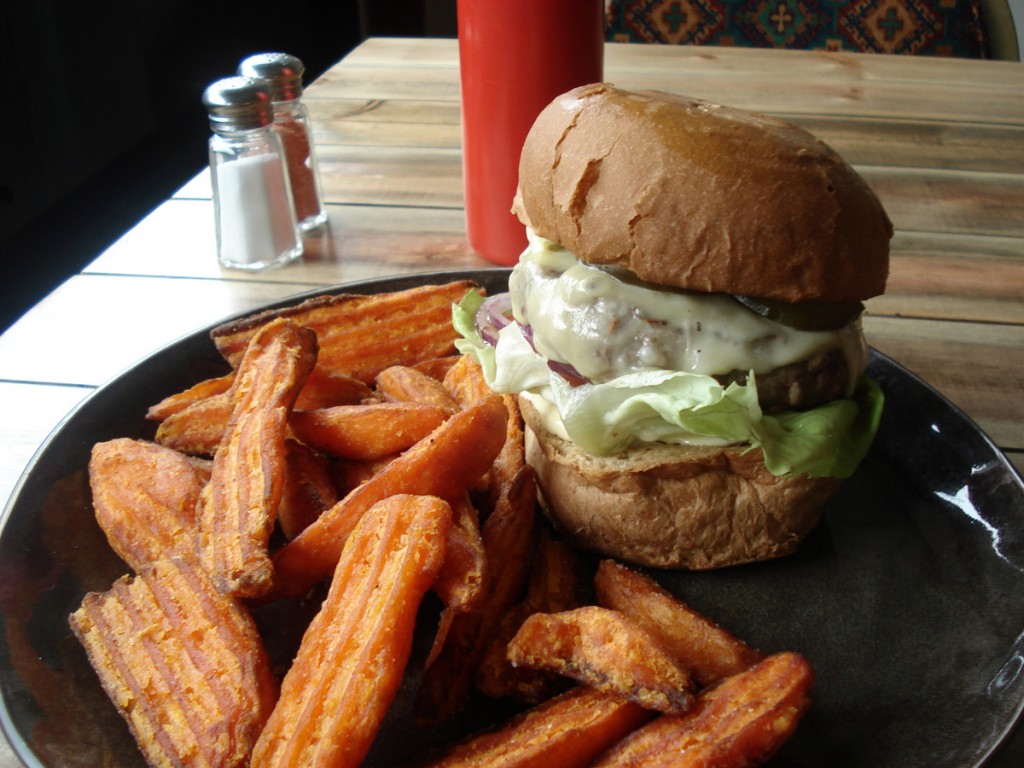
column 351, row 453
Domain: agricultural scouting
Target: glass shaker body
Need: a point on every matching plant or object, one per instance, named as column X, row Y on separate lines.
column 291, row 121
column 255, row 216
column 283, row 74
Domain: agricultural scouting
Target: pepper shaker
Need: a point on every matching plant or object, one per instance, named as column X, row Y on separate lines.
column 291, row 120
column 256, row 226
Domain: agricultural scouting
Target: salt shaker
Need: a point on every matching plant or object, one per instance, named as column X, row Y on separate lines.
column 256, row 226
column 291, row 120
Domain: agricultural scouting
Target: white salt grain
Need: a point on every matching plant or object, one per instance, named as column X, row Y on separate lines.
column 255, row 221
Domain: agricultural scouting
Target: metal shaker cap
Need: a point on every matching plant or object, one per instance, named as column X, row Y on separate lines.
column 238, row 104
column 282, row 70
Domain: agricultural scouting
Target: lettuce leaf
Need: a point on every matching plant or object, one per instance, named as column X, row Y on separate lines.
column 674, row 406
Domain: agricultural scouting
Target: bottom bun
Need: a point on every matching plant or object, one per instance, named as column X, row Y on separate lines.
column 670, row 506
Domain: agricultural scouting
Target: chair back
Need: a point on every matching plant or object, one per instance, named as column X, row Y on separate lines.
column 958, row 28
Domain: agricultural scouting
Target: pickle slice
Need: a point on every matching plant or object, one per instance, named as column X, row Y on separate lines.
column 811, row 315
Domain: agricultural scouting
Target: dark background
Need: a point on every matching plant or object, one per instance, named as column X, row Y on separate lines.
column 103, row 115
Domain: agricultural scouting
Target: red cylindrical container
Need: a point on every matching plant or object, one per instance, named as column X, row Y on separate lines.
column 515, row 57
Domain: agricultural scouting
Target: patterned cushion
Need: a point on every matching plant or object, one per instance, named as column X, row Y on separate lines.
column 924, row 27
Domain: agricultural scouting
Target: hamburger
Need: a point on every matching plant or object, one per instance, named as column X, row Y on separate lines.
column 683, row 330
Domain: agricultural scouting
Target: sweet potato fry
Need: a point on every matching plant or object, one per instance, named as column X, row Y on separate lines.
column 603, row 649
column 498, row 678
column 144, row 497
column 495, row 676
column 182, row 663
column 362, row 335
column 708, row 651
column 193, row 421
column 405, row 343
column 442, row 464
column 741, row 722
column 462, row 582
column 554, row 585
column 437, row 367
column 181, row 400
column 308, row 490
column 405, row 384
column 465, row 381
column 509, row 534
column 238, row 507
column 513, row 454
column 555, row 576
column 568, row 731
column 353, row 656
column 326, row 388
column 349, row 475
column 198, row 428
column 367, row 432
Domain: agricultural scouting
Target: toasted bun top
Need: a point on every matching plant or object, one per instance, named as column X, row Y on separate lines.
column 690, row 194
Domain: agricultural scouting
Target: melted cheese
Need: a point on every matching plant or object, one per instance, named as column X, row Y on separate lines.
column 605, row 326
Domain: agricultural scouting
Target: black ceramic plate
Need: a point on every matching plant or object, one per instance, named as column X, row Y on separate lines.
column 908, row 599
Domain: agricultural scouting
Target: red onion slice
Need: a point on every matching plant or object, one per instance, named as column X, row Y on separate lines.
column 568, row 372
column 496, row 312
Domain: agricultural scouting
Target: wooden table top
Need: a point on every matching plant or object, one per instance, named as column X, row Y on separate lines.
column 941, row 141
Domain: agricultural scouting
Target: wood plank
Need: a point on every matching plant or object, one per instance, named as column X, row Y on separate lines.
column 400, row 176
column 396, row 175
column 325, row 112
column 834, row 96
column 400, row 134
column 428, row 53
column 818, row 82
column 971, row 364
column 1017, row 459
column 93, row 327
column 361, row 242
column 950, row 277
column 28, row 413
column 922, row 200
column 414, row 171
column 365, row 243
column 945, row 144
column 401, row 52
column 790, row 66
column 917, row 199
column 806, row 95
column 928, row 144
column 416, row 82
column 950, row 246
